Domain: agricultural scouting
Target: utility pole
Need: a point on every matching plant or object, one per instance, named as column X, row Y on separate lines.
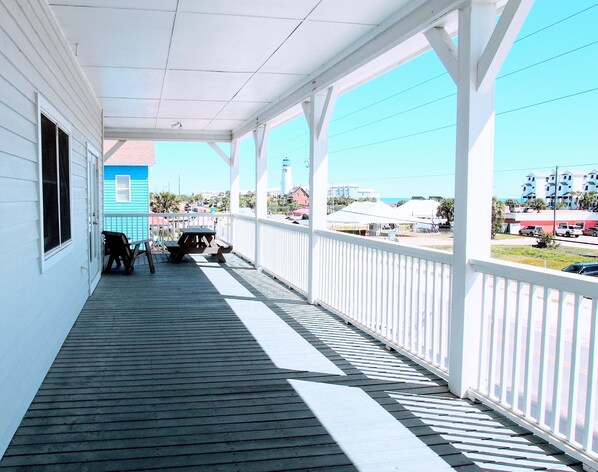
column 556, row 183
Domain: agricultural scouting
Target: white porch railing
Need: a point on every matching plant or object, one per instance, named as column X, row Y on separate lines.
column 539, row 352
column 160, row 227
column 284, row 252
column 244, row 236
column 400, row 294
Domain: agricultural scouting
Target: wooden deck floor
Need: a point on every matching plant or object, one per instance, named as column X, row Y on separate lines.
column 160, row 372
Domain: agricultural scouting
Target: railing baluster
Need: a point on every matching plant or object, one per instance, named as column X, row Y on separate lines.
column 516, row 348
column 505, row 343
column 544, row 353
column 590, row 413
column 529, row 351
column 574, row 372
column 482, row 366
column 559, row 366
column 493, row 340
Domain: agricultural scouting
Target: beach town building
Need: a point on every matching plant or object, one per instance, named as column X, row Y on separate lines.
column 299, row 195
column 534, row 187
column 126, row 183
column 591, row 183
column 351, row 191
column 566, row 187
column 204, row 365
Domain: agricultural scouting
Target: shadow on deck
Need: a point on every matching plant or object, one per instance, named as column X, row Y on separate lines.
column 218, row 367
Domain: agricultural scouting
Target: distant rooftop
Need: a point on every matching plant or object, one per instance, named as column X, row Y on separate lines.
column 131, row 153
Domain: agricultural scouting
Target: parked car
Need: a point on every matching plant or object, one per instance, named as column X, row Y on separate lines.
column 591, row 231
column 531, row 231
column 568, row 230
column 584, row 268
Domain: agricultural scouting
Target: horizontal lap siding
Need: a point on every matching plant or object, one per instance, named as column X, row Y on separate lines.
column 37, row 309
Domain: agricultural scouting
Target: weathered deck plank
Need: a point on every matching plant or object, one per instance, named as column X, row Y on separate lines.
column 172, row 379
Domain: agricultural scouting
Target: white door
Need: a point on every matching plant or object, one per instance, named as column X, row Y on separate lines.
column 93, row 216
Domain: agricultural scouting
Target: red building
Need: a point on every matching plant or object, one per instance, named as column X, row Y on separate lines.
column 300, row 196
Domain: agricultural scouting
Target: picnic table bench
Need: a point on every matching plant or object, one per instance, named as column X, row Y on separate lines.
column 198, row 240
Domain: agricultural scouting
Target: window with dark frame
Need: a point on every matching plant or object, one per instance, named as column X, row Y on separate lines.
column 55, row 156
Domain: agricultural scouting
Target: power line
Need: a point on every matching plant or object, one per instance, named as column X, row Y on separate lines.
column 450, row 95
column 422, row 105
column 558, row 56
column 555, row 23
column 495, row 171
column 419, row 84
column 440, row 128
column 444, row 73
column 532, row 105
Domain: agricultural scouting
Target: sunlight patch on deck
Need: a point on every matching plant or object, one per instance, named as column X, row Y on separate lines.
column 283, row 345
column 370, row 436
column 479, row 435
column 225, row 283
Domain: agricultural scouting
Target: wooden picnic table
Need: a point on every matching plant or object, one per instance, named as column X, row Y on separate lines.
column 198, row 240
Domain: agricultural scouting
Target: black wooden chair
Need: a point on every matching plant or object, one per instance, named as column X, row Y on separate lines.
column 120, row 249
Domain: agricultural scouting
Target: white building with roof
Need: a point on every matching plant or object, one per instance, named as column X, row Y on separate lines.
column 351, row 191
column 534, row 187
column 568, row 185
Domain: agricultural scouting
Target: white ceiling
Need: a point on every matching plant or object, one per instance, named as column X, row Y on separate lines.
column 217, row 66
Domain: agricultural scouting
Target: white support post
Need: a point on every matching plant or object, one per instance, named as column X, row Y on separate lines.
column 260, row 136
column 473, row 194
column 317, row 112
column 234, row 186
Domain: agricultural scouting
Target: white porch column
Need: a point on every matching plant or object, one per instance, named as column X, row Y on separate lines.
column 317, row 112
column 473, row 193
column 260, row 136
column 234, row 186
column 483, row 48
column 234, row 177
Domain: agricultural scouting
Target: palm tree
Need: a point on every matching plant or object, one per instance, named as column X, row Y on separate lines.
column 498, row 216
column 588, row 200
column 164, row 202
column 446, row 209
column 539, row 204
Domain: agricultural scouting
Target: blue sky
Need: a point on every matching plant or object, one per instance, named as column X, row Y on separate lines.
column 396, row 134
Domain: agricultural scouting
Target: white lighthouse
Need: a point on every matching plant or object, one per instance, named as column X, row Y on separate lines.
column 286, row 182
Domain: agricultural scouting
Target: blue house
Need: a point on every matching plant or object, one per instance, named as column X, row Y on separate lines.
column 126, row 187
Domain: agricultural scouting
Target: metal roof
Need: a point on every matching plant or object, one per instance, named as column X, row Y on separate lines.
column 206, row 70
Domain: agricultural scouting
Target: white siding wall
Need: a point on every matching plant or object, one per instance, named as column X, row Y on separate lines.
column 37, row 310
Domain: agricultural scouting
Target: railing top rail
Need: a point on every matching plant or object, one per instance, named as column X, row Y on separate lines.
column 243, row 217
column 286, row 225
column 421, row 253
column 552, row 279
column 167, row 215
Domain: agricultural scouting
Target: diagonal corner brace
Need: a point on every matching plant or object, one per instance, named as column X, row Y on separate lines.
column 113, row 149
column 504, row 34
column 445, row 49
column 220, row 152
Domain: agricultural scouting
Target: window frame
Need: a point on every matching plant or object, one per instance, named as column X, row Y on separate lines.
column 51, row 257
column 116, row 189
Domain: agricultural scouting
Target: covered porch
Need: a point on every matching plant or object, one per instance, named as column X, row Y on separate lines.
column 183, row 367
column 221, row 367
